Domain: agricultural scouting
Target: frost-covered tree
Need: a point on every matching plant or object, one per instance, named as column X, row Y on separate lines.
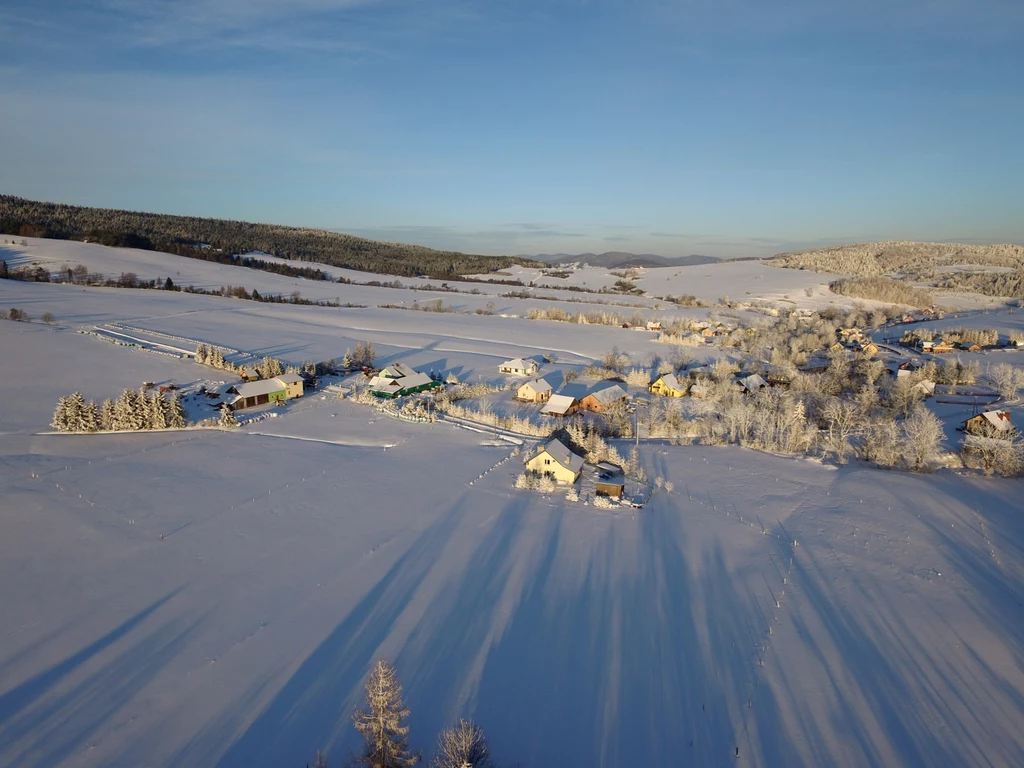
column 129, row 411
column 382, row 723
column 922, row 434
column 202, row 354
column 370, row 353
column 77, row 420
column 90, row 419
column 61, row 416
column 227, row 418
column 175, row 413
column 348, row 361
column 463, row 746
column 269, row 367
column 156, row 411
column 1008, row 380
column 107, row 415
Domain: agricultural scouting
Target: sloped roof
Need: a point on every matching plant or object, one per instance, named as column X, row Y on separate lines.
column 289, row 378
column 753, row 382
column 609, row 394
column 519, row 364
column 395, row 371
column 560, row 453
column 998, row 419
column 410, row 381
column 256, row 388
column 670, row 380
column 537, row 385
column 558, row 405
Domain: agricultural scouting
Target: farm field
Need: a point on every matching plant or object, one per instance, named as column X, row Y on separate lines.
column 215, row 598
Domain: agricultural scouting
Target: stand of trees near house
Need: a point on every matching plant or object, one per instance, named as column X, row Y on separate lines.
column 212, row 239
column 132, row 411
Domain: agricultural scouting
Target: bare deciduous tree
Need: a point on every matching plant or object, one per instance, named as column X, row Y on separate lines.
column 463, row 746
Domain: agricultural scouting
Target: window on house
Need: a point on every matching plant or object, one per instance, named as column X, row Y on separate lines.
column 547, row 461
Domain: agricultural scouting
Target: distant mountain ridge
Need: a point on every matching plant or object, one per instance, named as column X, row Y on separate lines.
column 618, row 259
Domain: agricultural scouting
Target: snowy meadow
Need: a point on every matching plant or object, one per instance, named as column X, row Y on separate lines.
column 210, row 597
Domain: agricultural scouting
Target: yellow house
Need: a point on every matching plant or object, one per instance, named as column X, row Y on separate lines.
column 668, row 386
column 558, row 462
column 869, row 349
column 536, row 391
column 837, row 347
column 292, row 384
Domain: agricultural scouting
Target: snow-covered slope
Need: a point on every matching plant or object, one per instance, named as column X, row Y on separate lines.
column 207, row 598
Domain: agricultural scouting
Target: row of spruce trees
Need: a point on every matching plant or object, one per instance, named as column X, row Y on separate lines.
column 134, row 410
column 381, row 723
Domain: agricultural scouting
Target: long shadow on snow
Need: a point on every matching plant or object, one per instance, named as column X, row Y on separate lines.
column 25, row 694
column 315, row 704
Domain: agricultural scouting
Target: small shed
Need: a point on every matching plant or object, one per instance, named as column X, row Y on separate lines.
column 610, row 480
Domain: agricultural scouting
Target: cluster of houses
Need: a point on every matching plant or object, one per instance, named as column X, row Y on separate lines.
column 855, row 340
column 698, row 380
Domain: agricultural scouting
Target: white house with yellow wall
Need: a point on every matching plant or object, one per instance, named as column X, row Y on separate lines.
column 558, row 462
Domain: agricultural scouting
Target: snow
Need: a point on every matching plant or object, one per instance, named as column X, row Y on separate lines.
column 212, row 598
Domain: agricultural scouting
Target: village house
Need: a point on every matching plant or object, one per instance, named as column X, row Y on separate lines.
column 989, row 422
column 653, row 325
column 868, row 348
column 667, row 385
column 751, row 384
column 535, row 391
column 519, row 367
column 971, row 346
column 556, row 461
column 600, row 400
column 924, row 388
column 276, row 390
column 560, row 405
column 778, row 377
column 942, row 347
column 397, row 380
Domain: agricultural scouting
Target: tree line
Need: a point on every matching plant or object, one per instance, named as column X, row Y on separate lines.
column 131, row 412
column 216, row 239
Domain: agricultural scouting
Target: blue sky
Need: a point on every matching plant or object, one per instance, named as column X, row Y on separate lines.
column 722, row 127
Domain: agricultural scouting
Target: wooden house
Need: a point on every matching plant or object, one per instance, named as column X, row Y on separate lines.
column 534, row 391
column 989, row 422
column 668, row 385
column 560, row 405
column 556, row 461
column 518, row 367
column 601, row 399
column 751, row 384
column 653, row 325
column 942, row 347
column 868, row 348
column 611, row 481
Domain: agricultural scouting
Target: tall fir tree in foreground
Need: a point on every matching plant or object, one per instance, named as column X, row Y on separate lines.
column 382, row 723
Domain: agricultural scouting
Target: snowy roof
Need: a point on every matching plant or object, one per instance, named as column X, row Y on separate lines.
column 289, row 378
column 753, row 382
column 670, row 380
column 559, row 405
column 609, row 394
column 998, row 419
column 557, row 451
column 519, row 364
column 395, row 371
column 537, row 385
column 256, row 388
column 413, row 379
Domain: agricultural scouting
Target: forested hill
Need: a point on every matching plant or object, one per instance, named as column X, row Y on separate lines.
column 214, row 239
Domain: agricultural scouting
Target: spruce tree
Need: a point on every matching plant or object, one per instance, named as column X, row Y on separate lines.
column 156, row 415
column 348, row 362
column 106, row 419
column 201, row 354
column 60, row 420
column 371, row 353
column 175, row 413
column 90, row 417
column 227, row 418
column 76, row 412
column 381, row 724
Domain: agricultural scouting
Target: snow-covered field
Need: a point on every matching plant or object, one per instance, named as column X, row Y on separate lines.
column 208, row 598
